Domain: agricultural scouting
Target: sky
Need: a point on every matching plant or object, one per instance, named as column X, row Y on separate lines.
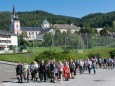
column 74, row 8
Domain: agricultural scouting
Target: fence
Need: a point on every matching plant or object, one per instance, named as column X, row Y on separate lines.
column 76, row 41
column 80, row 41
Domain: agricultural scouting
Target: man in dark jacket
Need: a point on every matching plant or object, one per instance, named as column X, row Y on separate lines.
column 52, row 71
column 42, row 71
column 19, row 72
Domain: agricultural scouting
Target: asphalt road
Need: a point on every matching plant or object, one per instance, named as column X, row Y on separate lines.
column 103, row 77
column 7, row 73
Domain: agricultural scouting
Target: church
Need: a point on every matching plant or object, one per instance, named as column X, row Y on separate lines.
column 16, row 28
column 37, row 33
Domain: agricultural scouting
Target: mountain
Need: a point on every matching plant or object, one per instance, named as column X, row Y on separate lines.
column 98, row 19
column 34, row 18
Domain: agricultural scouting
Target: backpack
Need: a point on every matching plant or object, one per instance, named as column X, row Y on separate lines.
column 72, row 66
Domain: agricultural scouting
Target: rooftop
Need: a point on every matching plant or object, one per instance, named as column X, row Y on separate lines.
column 3, row 32
column 64, row 26
column 45, row 21
column 31, row 28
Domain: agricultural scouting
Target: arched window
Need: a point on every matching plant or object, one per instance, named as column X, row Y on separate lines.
column 17, row 26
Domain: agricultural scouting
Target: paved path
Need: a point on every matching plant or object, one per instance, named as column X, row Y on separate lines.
column 104, row 77
column 7, row 71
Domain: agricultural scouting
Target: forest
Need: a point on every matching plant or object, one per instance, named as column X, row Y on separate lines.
column 34, row 18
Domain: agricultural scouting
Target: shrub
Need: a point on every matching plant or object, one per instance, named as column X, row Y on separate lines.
column 46, row 55
column 66, row 52
column 11, row 47
column 112, row 53
column 94, row 55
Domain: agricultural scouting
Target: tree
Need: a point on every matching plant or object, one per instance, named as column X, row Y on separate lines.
column 48, row 39
column 88, row 30
column 24, row 34
column 113, row 26
column 104, row 32
column 58, row 37
column 22, row 43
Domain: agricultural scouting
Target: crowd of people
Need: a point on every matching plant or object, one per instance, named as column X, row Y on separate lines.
column 60, row 70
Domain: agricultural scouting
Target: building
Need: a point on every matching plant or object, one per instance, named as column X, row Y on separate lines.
column 37, row 33
column 61, row 27
column 65, row 27
column 7, row 39
column 15, row 27
column 98, row 29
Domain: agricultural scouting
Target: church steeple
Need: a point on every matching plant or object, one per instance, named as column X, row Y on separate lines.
column 13, row 12
column 14, row 15
column 15, row 22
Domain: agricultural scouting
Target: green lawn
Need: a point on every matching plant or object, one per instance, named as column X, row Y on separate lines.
column 26, row 57
column 29, row 57
column 41, row 49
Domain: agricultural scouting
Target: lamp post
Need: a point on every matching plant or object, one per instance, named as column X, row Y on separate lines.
column 33, row 32
column 51, row 41
column 66, row 40
column 6, row 47
column 33, row 42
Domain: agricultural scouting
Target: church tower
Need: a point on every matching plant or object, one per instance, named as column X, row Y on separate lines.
column 15, row 23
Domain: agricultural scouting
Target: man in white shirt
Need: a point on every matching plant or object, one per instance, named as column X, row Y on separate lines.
column 89, row 66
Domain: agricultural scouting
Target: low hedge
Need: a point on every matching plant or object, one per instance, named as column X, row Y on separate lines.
column 48, row 55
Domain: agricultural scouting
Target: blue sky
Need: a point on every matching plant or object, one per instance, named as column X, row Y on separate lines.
column 75, row 8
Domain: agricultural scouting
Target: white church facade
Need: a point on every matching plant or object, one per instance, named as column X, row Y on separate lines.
column 16, row 28
column 34, row 33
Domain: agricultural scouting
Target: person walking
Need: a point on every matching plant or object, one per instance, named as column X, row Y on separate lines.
column 56, row 71
column 94, row 66
column 48, row 70
column 42, row 71
column 60, row 68
column 19, row 72
column 89, row 66
column 81, row 63
column 66, row 71
column 35, row 71
column 52, row 71
column 24, row 72
column 32, row 70
column 113, row 62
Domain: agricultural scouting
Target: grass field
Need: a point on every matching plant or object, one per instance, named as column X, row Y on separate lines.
column 41, row 49
column 29, row 57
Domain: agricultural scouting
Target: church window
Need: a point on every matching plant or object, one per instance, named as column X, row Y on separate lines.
column 17, row 26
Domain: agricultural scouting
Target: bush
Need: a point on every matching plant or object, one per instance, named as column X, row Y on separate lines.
column 48, row 55
column 94, row 55
column 22, row 48
column 112, row 53
column 66, row 52
column 11, row 47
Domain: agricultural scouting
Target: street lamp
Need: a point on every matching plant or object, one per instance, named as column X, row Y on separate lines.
column 33, row 32
column 65, row 41
column 33, row 41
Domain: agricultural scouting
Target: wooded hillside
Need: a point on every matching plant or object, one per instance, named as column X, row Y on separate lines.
column 35, row 18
